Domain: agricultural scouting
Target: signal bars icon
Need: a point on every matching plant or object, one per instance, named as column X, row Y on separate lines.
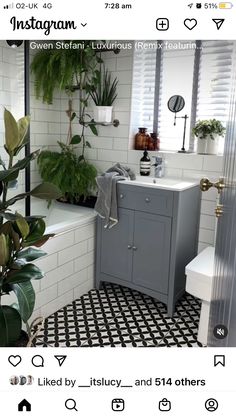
column 8, row 6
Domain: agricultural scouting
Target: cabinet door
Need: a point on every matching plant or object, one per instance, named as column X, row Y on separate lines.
column 116, row 247
column 152, row 234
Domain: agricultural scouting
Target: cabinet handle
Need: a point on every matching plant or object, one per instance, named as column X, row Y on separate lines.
column 134, row 248
column 147, row 199
column 129, row 246
column 121, row 196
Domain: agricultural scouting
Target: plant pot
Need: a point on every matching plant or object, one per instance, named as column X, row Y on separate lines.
column 201, row 146
column 103, row 114
column 89, row 202
column 212, row 145
column 208, row 145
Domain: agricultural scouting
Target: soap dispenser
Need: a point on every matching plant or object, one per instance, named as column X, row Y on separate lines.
column 145, row 164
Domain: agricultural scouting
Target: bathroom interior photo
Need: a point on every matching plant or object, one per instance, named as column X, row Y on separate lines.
column 117, row 193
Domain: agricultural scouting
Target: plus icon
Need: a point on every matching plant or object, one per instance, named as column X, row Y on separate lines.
column 162, row 24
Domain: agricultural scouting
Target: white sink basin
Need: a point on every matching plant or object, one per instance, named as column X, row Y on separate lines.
column 163, row 183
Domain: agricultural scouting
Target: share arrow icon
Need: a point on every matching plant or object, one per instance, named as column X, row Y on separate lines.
column 61, row 359
column 218, row 22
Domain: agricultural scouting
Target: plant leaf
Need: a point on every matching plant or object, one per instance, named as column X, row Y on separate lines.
column 26, row 299
column 30, row 254
column 10, row 325
column 23, row 226
column 23, row 125
column 88, row 144
column 37, row 229
column 73, row 116
column 46, row 191
column 16, row 198
column 76, row 139
column 23, row 163
column 80, row 158
column 26, row 273
column 11, row 132
column 39, row 242
column 93, row 129
column 8, row 175
column 9, row 216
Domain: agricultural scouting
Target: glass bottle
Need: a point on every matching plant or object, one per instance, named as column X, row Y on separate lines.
column 145, row 164
column 142, row 139
column 154, row 143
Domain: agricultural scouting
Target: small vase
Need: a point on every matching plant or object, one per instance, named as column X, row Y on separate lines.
column 212, row 145
column 103, row 114
column 142, row 139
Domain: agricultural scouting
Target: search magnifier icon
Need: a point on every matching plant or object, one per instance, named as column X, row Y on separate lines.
column 71, row 404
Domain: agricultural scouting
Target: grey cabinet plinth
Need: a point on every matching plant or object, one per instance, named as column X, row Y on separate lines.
column 156, row 237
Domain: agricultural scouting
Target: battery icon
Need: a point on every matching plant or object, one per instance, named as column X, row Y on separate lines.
column 226, row 5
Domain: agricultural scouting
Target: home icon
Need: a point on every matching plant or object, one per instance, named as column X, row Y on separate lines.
column 24, row 405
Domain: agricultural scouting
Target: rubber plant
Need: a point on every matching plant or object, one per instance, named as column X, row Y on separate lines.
column 69, row 70
column 20, row 237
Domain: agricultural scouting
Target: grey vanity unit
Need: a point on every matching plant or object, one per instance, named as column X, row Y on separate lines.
column 155, row 239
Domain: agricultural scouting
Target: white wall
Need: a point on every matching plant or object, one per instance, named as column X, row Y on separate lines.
column 49, row 123
column 11, row 91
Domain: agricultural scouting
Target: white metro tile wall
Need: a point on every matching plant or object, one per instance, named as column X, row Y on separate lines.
column 68, row 268
column 11, row 92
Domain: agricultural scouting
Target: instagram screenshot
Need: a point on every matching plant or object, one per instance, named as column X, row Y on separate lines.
column 117, row 209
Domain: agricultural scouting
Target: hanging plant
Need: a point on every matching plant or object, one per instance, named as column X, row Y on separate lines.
column 73, row 70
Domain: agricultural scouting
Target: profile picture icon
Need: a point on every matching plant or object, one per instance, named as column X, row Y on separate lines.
column 14, row 380
column 30, row 380
column 211, row 405
column 22, row 380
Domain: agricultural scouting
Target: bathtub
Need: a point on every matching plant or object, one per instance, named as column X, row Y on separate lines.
column 69, row 263
column 62, row 217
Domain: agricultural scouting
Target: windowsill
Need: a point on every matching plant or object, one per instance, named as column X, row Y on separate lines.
column 188, row 153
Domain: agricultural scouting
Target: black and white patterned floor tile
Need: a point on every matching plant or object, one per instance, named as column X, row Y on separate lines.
column 116, row 316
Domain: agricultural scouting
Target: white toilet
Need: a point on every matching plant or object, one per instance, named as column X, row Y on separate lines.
column 200, row 272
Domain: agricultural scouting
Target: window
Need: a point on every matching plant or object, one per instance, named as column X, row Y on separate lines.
column 143, row 89
column 214, row 83
column 176, row 78
column 198, row 71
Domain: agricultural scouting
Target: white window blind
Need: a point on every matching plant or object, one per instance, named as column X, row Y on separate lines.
column 214, row 85
column 176, row 79
column 143, row 89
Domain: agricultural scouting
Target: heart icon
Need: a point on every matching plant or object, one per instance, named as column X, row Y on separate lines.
column 14, row 360
column 190, row 23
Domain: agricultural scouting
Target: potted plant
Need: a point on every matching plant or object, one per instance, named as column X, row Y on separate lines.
column 70, row 70
column 208, row 133
column 72, row 174
column 104, row 94
column 20, row 237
